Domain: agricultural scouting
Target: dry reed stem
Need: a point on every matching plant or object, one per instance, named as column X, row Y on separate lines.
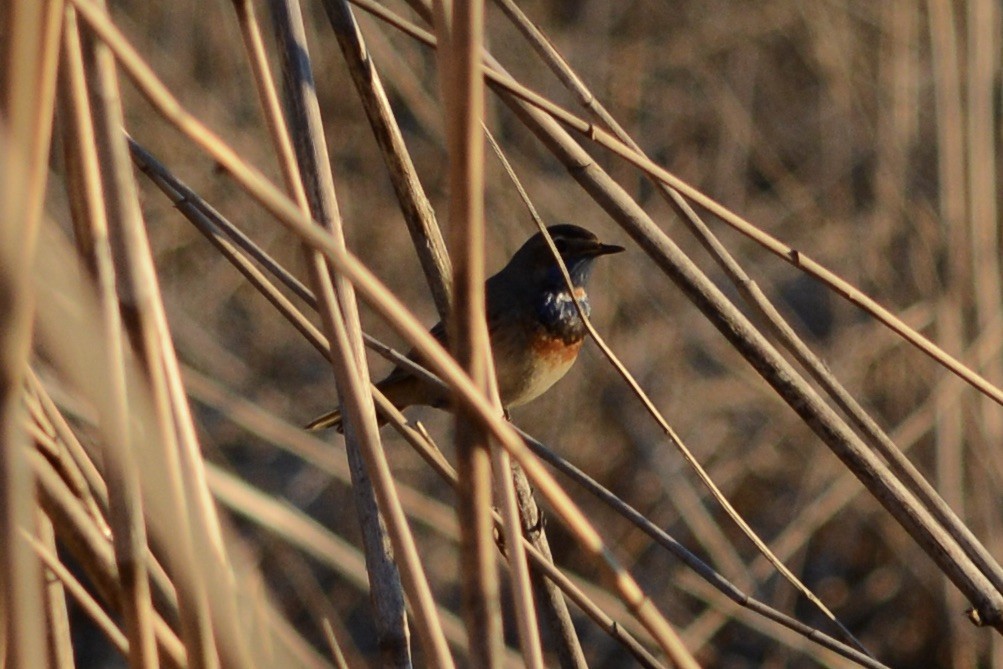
column 982, row 62
column 337, row 312
column 93, row 551
column 64, row 578
column 982, row 67
column 80, row 151
column 460, row 28
column 121, row 474
column 361, row 424
column 778, row 326
column 57, row 618
column 548, row 594
column 664, row 425
column 27, row 87
column 948, row 425
column 512, row 528
column 352, row 373
column 336, row 653
column 55, row 325
column 415, row 207
column 137, row 288
column 310, row 537
column 89, row 484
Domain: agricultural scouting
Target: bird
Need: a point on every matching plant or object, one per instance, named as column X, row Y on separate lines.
column 533, row 326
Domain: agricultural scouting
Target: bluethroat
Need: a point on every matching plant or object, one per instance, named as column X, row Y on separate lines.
column 534, row 327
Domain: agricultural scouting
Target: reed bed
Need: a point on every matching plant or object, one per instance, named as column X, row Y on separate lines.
column 780, row 447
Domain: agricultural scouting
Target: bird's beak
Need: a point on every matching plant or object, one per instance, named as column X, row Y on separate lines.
column 607, row 249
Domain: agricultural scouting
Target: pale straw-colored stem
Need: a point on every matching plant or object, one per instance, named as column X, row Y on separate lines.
column 27, row 85
column 460, row 29
column 46, row 551
column 121, row 473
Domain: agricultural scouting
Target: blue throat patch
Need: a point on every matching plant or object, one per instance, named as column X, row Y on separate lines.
column 557, row 314
column 556, row 309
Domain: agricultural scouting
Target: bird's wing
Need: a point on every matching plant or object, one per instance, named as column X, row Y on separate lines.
column 497, row 304
column 438, row 332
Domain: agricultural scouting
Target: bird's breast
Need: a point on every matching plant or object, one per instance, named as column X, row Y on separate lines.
column 538, row 346
column 558, row 317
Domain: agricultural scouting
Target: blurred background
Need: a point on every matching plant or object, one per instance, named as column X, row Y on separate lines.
column 863, row 134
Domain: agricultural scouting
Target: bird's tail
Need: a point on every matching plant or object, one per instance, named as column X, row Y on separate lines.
column 334, row 419
column 402, row 391
column 328, row 420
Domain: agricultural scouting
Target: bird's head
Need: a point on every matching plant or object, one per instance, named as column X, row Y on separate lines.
column 578, row 248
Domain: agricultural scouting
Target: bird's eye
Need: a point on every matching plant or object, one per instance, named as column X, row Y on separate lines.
column 561, row 244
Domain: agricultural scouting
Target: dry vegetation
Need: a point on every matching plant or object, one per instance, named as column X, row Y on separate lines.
column 862, row 134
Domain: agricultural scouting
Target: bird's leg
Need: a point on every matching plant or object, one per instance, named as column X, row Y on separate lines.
column 538, row 524
column 499, row 538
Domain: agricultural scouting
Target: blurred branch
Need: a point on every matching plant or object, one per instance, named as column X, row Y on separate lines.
column 94, row 552
column 67, row 325
column 460, row 29
column 27, row 85
column 85, row 159
column 63, row 577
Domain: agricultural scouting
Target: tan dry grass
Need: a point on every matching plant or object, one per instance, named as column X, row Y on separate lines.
column 860, row 134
